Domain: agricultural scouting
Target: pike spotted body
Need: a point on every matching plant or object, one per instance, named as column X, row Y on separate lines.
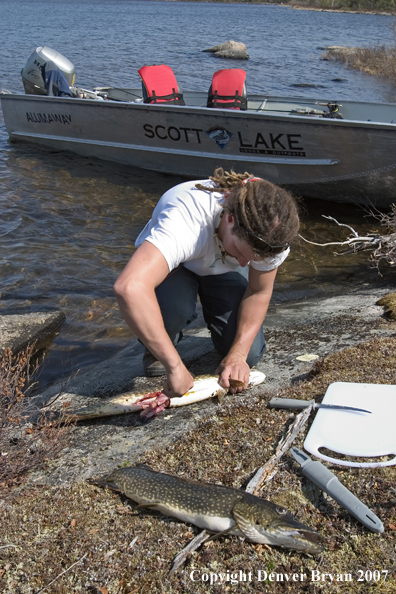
column 215, row 508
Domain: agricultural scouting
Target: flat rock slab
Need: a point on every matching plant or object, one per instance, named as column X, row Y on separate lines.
column 17, row 331
column 337, row 52
column 314, row 326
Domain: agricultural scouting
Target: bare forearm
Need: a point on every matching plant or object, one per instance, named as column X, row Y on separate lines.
column 145, row 320
column 135, row 292
column 251, row 315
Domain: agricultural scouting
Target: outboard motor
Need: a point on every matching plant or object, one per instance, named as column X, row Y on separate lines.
column 34, row 75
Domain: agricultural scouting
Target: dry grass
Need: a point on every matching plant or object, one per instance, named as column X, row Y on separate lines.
column 22, row 446
column 15, row 374
column 88, row 539
column 388, row 301
column 379, row 61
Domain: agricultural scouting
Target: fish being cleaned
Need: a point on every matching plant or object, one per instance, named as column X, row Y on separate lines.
column 150, row 404
column 214, row 507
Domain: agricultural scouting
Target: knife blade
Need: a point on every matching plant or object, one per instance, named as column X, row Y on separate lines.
column 295, row 404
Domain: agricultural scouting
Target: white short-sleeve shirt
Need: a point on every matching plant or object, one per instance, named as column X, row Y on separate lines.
column 183, row 227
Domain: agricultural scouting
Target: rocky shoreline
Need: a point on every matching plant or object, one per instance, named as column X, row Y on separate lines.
column 325, row 325
column 344, row 10
column 58, row 521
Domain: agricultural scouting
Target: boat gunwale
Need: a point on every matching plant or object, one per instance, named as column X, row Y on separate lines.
column 309, row 119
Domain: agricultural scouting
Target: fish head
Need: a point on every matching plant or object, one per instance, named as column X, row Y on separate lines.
column 112, row 480
column 264, row 522
column 127, row 478
column 120, row 478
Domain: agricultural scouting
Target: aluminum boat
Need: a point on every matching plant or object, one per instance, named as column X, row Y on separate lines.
column 324, row 148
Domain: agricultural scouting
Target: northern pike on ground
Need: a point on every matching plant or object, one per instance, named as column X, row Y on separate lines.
column 214, row 507
column 150, row 404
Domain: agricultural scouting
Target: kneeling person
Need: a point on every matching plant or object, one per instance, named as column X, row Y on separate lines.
column 222, row 239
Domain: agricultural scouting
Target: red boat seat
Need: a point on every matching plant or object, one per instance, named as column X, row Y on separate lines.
column 160, row 85
column 228, row 89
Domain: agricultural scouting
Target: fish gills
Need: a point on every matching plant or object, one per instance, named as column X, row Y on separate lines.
column 265, row 522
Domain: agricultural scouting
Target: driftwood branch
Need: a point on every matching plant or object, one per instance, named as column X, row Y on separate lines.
column 192, row 546
column 266, row 472
column 356, row 243
column 383, row 247
column 341, row 224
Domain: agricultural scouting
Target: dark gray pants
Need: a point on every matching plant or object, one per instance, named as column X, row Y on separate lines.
column 220, row 296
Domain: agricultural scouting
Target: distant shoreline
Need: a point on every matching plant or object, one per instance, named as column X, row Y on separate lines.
column 295, row 7
column 344, row 10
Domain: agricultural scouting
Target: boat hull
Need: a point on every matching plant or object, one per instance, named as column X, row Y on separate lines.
column 343, row 160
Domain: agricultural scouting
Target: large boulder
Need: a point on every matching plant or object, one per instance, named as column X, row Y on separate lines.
column 232, row 50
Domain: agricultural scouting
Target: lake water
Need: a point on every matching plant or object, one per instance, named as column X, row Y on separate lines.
column 67, row 223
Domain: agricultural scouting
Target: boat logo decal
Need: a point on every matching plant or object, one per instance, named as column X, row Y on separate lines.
column 48, row 118
column 220, row 136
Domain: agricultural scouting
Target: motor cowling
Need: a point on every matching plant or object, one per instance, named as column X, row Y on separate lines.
column 33, row 72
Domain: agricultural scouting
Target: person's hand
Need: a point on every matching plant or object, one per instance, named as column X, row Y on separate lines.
column 233, row 367
column 178, row 381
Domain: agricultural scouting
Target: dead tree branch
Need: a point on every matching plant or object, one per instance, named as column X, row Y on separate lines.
column 266, row 472
column 383, row 247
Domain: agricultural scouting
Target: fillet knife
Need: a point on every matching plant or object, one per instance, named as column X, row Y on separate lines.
column 294, row 403
column 327, row 481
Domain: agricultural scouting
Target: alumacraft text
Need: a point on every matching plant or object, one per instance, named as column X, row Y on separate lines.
column 48, row 118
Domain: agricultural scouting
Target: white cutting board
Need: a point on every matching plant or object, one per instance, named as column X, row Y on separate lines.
column 355, row 433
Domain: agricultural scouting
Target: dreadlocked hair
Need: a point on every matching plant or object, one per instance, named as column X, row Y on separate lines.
column 224, row 180
column 266, row 216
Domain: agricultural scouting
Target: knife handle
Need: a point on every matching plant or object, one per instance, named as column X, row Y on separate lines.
column 291, row 403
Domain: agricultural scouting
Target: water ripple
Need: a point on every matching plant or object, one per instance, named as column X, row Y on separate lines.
column 8, row 226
